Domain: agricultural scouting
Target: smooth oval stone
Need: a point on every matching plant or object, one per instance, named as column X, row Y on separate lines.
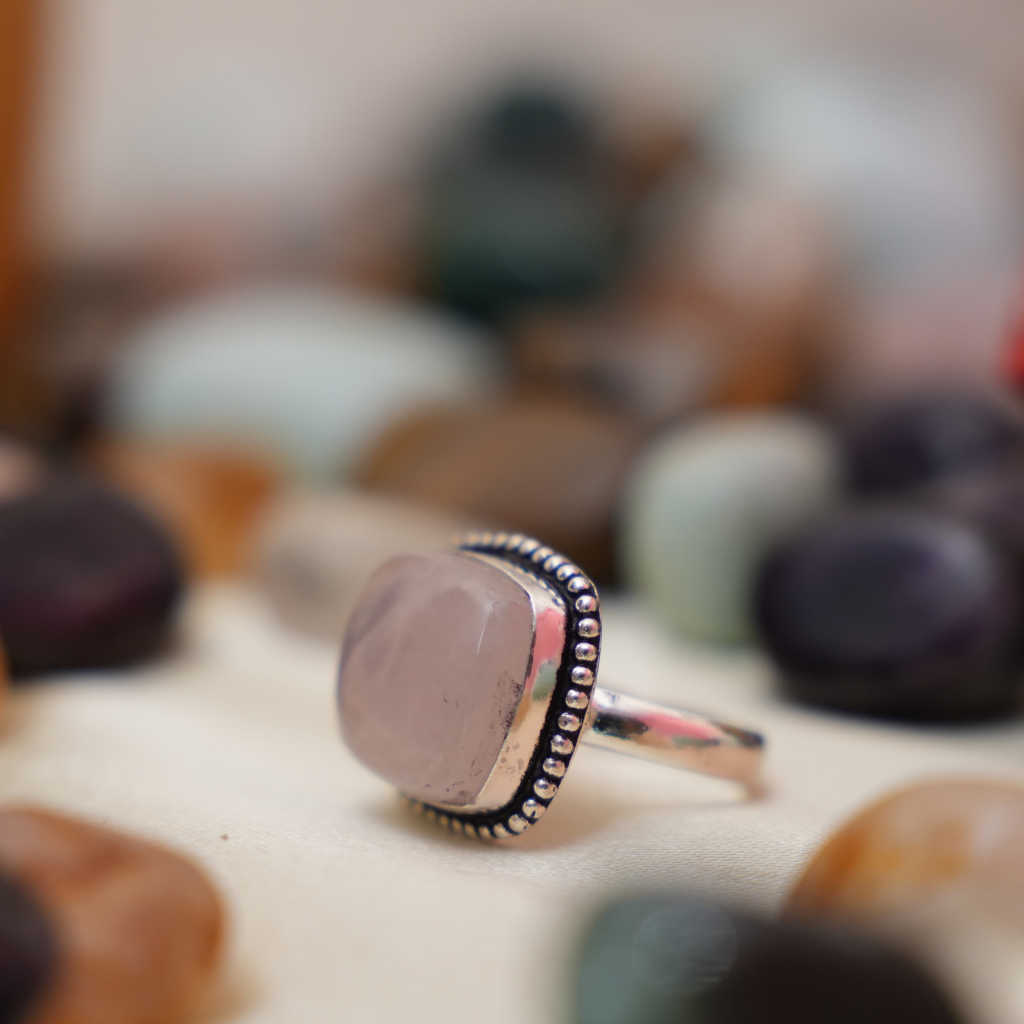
column 317, row 551
column 538, row 466
column 895, row 613
column 21, row 469
column 87, row 580
column 665, row 960
column 28, row 951
column 935, row 867
column 918, row 844
column 139, row 928
column 210, row 499
column 519, row 208
column 306, row 375
column 992, row 498
column 433, row 665
column 705, row 505
column 921, row 439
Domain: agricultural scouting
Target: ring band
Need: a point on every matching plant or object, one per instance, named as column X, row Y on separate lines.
column 669, row 736
column 468, row 681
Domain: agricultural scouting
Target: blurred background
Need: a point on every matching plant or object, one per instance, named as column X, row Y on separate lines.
column 725, row 301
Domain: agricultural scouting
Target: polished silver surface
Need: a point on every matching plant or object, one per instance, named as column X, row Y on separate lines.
column 669, row 736
column 582, row 676
column 561, row 745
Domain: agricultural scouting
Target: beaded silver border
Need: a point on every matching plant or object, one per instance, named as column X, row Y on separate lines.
column 574, row 684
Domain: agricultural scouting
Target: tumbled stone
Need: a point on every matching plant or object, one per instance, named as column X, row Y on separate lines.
column 87, row 579
column 898, row 613
column 28, row 951
column 139, row 928
column 922, row 439
column 434, row 663
column 317, row 551
column 920, row 844
column 303, row 375
column 21, row 469
column 666, row 959
column 210, row 499
column 708, row 501
column 991, row 497
column 519, row 208
column 936, row 868
column 543, row 467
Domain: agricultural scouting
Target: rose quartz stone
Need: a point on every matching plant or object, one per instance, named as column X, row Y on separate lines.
column 434, row 664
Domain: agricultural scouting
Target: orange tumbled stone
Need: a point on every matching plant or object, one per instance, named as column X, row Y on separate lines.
column 209, row 498
column 547, row 467
column 919, row 844
column 139, row 928
column 936, row 869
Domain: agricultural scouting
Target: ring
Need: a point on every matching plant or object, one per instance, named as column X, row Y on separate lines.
column 468, row 681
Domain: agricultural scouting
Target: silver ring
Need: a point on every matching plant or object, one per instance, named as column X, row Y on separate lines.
column 553, row 706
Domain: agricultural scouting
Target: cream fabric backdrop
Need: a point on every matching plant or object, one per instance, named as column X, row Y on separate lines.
column 346, row 907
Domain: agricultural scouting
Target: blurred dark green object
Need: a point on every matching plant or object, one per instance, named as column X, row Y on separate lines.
column 520, row 209
column 671, row 961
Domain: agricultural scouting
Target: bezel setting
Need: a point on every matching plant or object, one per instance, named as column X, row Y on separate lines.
column 566, row 712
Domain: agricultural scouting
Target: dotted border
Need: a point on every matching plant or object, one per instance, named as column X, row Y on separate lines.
column 574, row 684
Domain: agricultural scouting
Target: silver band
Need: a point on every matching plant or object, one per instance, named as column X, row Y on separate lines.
column 672, row 737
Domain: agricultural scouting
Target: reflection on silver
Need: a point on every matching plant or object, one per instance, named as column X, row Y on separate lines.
column 677, row 738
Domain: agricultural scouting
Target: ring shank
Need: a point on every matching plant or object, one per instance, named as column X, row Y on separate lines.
column 672, row 737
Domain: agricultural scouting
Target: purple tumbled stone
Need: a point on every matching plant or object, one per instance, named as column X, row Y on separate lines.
column 87, row 579
column 433, row 666
column 920, row 439
column 894, row 612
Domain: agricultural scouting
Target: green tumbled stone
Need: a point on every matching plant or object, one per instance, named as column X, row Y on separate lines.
column 671, row 961
column 706, row 504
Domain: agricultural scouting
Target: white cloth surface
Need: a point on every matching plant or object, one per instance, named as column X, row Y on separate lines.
column 347, row 907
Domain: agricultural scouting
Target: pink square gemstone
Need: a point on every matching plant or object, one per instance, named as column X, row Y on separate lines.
column 433, row 667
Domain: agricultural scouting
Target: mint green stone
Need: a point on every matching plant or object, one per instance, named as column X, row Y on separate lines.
column 706, row 504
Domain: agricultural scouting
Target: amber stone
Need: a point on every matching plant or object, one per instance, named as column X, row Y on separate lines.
column 87, row 579
column 543, row 467
column 209, row 498
column 317, row 550
column 21, row 469
column 920, row 844
column 139, row 928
